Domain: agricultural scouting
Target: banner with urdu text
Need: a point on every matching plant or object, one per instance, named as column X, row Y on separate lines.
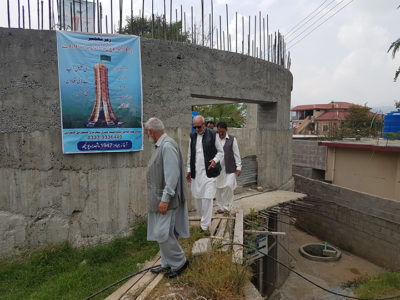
column 100, row 92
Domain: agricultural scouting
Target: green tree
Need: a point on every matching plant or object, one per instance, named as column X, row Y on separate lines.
column 143, row 27
column 360, row 121
column 234, row 115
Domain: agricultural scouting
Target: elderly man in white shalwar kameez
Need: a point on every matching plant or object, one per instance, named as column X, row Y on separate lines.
column 231, row 167
column 204, row 154
column 167, row 211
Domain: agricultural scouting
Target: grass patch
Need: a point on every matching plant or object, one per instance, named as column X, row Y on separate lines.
column 213, row 275
column 382, row 285
column 62, row 272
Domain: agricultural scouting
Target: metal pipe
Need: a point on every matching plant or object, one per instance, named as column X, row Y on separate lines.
column 100, row 17
column 216, row 30
column 50, row 27
column 202, row 22
column 212, row 24
column 87, row 16
column 41, row 2
column 227, row 29
column 94, row 16
column 38, row 15
column 259, row 20
column 268, row 46
column 121, row 3
column 192, row 24
column 152, row 19
column 164, row 23
column 80, row 14
column 8, row 13
column 181, row 26
column 242, row 34
column 209, row 28
column 264, row 36
column 131, row 16
column 170, row 17
column 248, row 50
column 255, row 37
column 73, row 15
column 29, row 13
column 236, row 34
column 112, row 18
column 72, row 21
column 19, row 15
column 220, row 32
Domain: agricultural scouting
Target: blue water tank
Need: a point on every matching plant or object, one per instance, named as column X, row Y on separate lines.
column 391, row 123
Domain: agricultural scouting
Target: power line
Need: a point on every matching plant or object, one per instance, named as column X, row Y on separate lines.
column 319, row 25
column 291, row 30
column 291, row 39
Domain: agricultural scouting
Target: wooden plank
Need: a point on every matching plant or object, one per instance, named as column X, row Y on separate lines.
column 150, row 287
column 214, row 225
column 194, row 219
column 139, row 286
column 221, row 228
column 237, row 256
column 264, row 232
column 228, row 235
column 132, row 281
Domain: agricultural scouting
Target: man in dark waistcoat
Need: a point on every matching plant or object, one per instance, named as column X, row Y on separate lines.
column 231, row 167
column 204, row 154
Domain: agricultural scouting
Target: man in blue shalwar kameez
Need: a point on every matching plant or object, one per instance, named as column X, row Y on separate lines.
column 166, row 203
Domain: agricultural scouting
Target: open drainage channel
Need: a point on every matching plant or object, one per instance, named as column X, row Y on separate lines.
column 320, row 252
column 261, row 262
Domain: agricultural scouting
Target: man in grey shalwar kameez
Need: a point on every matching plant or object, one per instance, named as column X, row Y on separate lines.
column 167, row 211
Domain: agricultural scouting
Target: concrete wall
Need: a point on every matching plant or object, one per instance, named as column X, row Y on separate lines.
column 361, row 223
column 49, row 197
column 309, row 159
column 368, row 171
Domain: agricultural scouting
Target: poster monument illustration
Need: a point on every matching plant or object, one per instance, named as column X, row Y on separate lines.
column 100, row 92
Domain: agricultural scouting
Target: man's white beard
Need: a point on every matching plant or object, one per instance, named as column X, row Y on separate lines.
column 151, row 140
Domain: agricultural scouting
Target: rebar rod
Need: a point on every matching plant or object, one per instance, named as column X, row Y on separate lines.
column 29, row 14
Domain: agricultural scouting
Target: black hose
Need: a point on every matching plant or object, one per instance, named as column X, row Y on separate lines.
column 119, row 281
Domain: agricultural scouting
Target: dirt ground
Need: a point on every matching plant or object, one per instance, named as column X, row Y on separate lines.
column 330, row 275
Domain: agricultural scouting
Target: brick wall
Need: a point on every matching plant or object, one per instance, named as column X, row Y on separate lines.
column 363, row 224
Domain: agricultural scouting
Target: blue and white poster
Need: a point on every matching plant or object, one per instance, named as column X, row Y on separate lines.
column 100, row 92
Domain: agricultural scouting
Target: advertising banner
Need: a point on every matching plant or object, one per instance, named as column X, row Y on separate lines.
column 100, row 92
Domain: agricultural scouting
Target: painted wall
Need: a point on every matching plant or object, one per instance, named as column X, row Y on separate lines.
column 364, row 224
column 368, row 171
column 48, row 197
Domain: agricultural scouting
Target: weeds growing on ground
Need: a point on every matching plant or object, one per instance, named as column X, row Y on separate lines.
column 382, row 285
column 214, row 275
column 63, row 272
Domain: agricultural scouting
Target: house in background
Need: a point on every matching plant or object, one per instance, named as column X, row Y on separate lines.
column 320, row 119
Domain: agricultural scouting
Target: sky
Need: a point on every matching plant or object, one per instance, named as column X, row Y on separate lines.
column 344, row 58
